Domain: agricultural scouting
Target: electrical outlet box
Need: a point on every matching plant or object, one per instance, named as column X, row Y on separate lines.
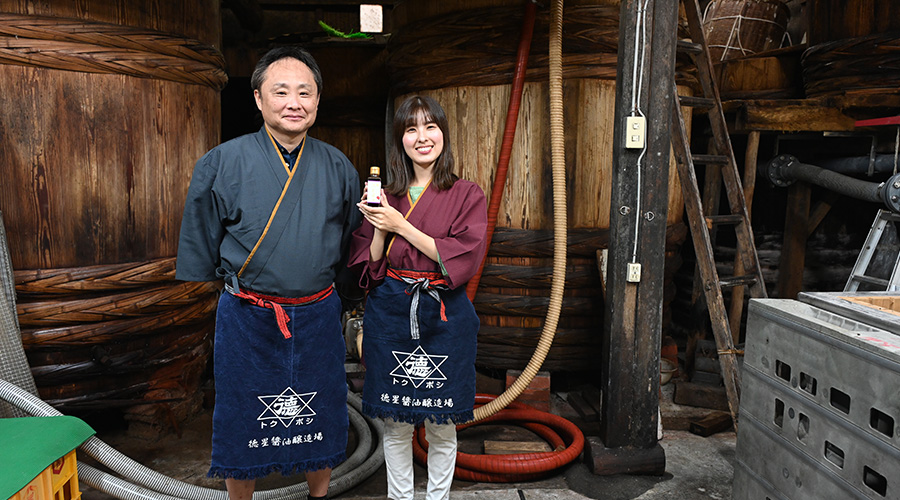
column 635, row 132
column 634, row 272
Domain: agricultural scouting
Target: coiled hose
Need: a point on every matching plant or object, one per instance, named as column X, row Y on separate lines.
column 560, row 222
column 140, row 482
column 565, row 439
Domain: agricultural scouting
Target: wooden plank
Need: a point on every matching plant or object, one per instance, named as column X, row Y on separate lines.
column 820, row 210
column 515, row 447
column 790, row 115
column 711, row 424
column 582, row 404
column 701, row 395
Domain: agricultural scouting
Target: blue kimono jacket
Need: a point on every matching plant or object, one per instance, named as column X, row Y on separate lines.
column 282, row 231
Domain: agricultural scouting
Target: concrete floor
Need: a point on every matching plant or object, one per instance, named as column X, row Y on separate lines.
column 696, row 467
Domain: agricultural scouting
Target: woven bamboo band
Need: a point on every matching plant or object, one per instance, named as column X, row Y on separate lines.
column 861, row 65
column 478, row 47
column 145, row 302
column 93, row 47
column 472, row 54
column 91, row 279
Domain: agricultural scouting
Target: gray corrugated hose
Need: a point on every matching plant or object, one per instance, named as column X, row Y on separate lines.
column 13, row 366
column 138, row 482
column 141, row 483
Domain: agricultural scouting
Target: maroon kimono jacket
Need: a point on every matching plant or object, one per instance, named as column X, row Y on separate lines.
column 457, row 220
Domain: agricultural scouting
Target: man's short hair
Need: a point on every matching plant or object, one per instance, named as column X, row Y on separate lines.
column 279, row 53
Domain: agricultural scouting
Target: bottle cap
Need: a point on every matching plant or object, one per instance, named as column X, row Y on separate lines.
column 374, row 171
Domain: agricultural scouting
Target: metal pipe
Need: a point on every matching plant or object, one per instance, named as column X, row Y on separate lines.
column 784, row 170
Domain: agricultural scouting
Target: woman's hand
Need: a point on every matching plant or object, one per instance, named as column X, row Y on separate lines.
column 384, row 218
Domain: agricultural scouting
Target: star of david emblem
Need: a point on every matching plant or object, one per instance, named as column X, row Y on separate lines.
column 287, row 406
column 418, row 366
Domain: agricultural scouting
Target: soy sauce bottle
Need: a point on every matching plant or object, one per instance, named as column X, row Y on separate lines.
column 373, row 195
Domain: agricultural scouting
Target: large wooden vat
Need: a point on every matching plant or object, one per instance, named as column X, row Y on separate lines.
column 832, row 20
column 106, row 106
column 853, row 47
column 351, row 111
column 463, row 54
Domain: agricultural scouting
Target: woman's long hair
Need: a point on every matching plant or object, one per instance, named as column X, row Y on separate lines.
column 400, row 165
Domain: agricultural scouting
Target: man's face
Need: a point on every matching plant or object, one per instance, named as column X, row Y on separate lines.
column 288, row 99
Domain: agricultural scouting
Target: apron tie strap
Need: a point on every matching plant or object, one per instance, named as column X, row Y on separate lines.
column 275, row 303
column 416, row 283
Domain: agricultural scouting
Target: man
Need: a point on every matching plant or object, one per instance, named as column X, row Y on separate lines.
column 271, row 213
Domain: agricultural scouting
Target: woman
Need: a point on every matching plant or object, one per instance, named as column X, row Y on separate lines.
column 415, row 254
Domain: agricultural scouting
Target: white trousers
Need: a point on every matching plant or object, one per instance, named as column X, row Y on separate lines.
column 398, row 459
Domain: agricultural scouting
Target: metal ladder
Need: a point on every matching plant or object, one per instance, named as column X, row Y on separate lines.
column 702, row 223
column 881, row 252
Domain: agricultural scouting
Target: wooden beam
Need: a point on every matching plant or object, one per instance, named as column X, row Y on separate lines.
column 711, row 424
column 793, row 251
column 790, row 115
column 633, row 319
column 820, row 210
column 736, row 309
column 321, row 4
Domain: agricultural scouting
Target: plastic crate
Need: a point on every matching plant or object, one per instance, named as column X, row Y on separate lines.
column 37, row 457
column 819, row 413
column 59, row 481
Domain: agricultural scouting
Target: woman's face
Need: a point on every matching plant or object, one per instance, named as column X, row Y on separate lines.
column 423, row 142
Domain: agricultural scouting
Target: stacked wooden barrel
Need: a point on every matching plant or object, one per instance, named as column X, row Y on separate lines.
column 106, row 108
column 463, row 54
column 854, row 49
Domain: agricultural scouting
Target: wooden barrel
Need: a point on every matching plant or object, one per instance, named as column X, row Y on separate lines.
column 106, row 108
column 463, row 54
column 832, row 20
column 738, row 28
column 351, row 110
column 853, row 51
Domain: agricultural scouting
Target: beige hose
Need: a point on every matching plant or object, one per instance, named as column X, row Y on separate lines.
column 560, row 224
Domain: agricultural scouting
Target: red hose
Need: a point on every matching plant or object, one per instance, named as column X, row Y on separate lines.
column 514, row 467
column 509, row 133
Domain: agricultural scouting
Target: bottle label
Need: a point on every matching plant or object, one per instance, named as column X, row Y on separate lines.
column 373, row 193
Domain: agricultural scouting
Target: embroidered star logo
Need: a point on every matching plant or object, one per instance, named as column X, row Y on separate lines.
column 287, row 406
column 418, row 366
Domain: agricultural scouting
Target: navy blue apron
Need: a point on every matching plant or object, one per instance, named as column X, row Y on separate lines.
column 418, row 365
column 281, row 403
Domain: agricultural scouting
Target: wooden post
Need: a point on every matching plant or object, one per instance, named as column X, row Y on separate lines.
column 737, row 294
column 631, row 337
column 793, row 251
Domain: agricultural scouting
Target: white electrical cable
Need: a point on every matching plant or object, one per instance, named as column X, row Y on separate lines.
column 640, row 38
